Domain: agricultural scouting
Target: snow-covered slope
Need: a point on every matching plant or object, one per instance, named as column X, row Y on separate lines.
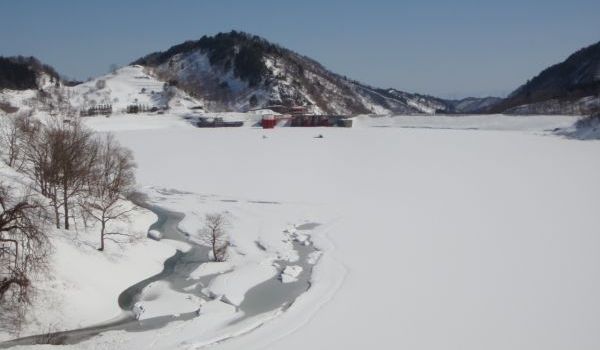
column 130, row 85
column 12, row 101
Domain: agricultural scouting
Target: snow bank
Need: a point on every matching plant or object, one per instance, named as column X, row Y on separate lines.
column 290, row 273
column 158, row 299
column 155, row 235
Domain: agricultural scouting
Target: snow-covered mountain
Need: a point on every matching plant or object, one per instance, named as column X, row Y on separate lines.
column 227, row 72
column 239, row 72
column 570, row 87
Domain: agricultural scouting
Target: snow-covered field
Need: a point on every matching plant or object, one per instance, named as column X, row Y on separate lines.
column 435, row 236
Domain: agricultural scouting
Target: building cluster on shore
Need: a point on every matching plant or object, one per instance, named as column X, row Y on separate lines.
column 299, row 117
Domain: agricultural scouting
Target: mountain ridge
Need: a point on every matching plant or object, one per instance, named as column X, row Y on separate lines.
column 569, row 87
column 239, row 72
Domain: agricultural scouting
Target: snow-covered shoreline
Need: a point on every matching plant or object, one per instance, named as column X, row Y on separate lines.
column 158, row 303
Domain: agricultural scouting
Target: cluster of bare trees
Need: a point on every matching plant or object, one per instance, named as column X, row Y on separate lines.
column 82, row 176
column 11, row 138
column 23, row 251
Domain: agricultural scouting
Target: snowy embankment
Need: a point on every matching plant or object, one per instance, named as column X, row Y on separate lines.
column 454, row 239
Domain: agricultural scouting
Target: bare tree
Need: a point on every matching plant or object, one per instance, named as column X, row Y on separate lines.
column 112, row 177
column 9, row 140
column 100, row 84
column 23, row 252
column 12, row 139
column 49, row 147
column 214, row 235
column 63, row 106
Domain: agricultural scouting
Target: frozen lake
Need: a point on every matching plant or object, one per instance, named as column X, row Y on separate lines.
column 451, row 239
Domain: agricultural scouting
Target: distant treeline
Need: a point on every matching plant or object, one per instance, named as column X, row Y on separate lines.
column 239, row 51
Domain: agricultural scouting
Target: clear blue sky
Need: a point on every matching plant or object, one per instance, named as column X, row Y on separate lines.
column 451, row 48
